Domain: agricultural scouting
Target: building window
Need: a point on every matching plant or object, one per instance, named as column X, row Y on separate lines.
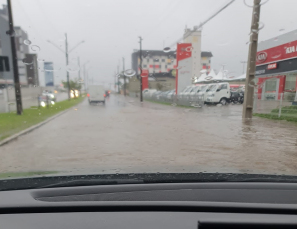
column 165, row 65
column 156, row 60
column 209, row 61
column 144, row 65
column 290, row 82
column 163, row 60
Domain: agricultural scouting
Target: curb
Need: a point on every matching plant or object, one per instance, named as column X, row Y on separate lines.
column 28, row 130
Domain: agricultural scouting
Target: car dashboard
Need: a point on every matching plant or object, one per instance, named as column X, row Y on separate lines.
column 180, row 205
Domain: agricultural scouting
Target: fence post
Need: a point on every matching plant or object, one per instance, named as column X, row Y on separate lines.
column 38, row 101
column 280, row 105
column 47, row 105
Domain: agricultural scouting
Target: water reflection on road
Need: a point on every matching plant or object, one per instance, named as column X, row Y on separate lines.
column 125, row 135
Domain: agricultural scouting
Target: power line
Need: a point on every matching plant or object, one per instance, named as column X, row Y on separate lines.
column 196, row 28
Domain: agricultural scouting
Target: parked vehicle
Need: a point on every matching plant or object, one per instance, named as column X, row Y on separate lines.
column 204, row 90
column 194, row 92
column 170, row 95
column 218, row 93
column 96, row 94
column 234, row 97
column 148, row 92
column 50, row 94
column 181, row 95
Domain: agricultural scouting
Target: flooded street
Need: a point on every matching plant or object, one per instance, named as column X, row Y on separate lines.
column 126, row 136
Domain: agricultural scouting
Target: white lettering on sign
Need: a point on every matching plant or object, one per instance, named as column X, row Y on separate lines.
column 261, row 57
column 272, row 66
column 291, row 49
column 260, row 71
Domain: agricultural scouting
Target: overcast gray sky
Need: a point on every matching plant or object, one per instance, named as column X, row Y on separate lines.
column 111, row 28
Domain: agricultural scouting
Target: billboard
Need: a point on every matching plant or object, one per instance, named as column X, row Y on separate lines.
column 48, row 74
column 184, row 66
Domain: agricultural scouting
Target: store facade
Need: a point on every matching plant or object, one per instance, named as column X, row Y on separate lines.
column 276, row 67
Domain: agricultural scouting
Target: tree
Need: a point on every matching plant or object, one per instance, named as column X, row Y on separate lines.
column 74, row 84
column 159, row 86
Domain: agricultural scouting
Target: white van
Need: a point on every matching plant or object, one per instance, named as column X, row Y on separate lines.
column 96, row 93
column 204, row 90
column 218, row 93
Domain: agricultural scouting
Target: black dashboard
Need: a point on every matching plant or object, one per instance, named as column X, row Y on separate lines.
column 181, row 205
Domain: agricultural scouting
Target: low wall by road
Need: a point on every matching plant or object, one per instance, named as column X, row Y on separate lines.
column 29, row 97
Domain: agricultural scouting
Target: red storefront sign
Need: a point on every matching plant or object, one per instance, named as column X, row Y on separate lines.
column 183, row 51
column 272, row 66
column 144, row 76
column 277, row 53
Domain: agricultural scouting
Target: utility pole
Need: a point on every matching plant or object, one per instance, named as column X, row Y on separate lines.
column 85, row 82
column 251, row 63
column 115, row 81
column 17, row 86
column 78, row 61
column 66, row 52
column 140, row 77
column 124, row 76
column 118, row 79
column 79, row 79
column 243, row 62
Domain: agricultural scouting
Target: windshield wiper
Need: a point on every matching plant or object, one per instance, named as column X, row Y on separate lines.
column 92, row 182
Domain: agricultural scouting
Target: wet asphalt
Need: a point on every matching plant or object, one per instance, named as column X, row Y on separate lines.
column 126, row 136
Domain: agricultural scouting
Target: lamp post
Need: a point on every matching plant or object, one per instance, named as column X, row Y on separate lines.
column 84, row 70
column 66, row 52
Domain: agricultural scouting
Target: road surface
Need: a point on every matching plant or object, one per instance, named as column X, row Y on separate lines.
column 126, row 136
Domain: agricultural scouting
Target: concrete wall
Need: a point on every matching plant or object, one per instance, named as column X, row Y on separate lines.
column 29, row 97
column 169, row 84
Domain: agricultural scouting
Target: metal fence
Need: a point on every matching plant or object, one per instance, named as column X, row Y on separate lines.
column 173, row 99
column 276, row 105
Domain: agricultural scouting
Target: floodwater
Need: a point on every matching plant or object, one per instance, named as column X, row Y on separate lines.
column 125, row 136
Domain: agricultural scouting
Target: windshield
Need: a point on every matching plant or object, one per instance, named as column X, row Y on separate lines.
column 213, row 87
column 203, row 88
column 119, row 87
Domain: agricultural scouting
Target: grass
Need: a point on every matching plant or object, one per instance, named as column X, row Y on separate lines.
column 25, row 174
column 11, row 123
column 168, row 104
column 288, row 113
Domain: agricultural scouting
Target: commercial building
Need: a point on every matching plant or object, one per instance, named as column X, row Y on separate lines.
column 5, row 48
column 276, row 67
column 32, row 70
column 22, row 50
column 48, row 75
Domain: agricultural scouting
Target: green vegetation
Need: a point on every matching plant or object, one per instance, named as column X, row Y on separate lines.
column 288, row 113
column 10, row 123
column 25, row 174
column 74, row 84
column 167, row 103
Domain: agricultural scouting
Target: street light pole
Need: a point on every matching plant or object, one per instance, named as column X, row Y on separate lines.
column 124, row 76
column 251, row 63
column 66, row 52
column 118, row 79
column 84, row 71
column 243, row 62
column 17, row 85
column 140, row 54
